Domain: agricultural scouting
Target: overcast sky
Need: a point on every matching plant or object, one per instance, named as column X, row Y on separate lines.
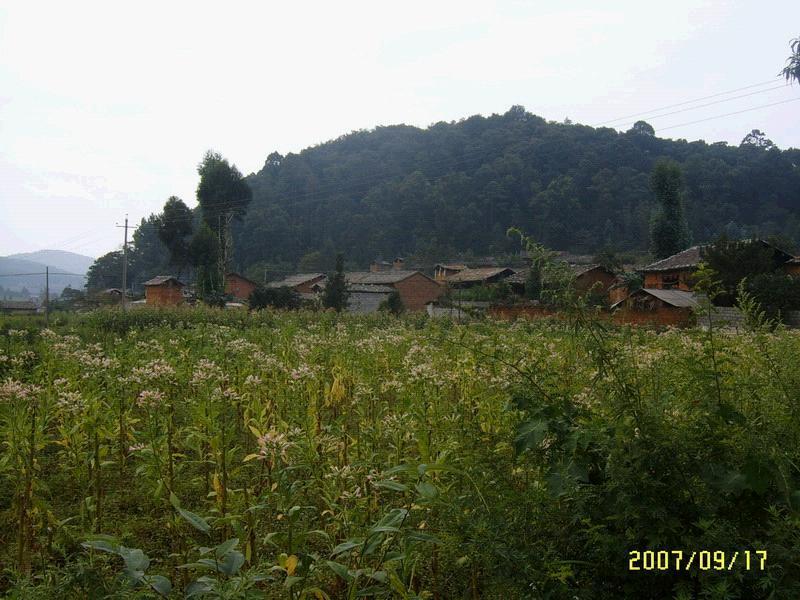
column 107, row 107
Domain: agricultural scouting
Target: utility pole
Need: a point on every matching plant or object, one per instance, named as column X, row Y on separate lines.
column 47, row 296
column 125, row 265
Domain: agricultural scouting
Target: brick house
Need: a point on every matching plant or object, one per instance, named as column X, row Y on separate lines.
column 415, row 288
column 586, row 278
column 239, row 286
column 378, row 266
column 792, row 267
column 302, row 283
column 163, row 290
column 656, row 307
column 677, row 271
column 481, row 276
column 442, row 271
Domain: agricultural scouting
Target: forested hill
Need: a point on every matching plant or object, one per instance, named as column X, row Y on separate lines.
column 458, row 186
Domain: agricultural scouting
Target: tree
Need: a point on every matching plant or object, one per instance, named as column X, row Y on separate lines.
column 792, row 70
column 204, row 253
column 735, row 260
column 642, row 128
column 756, row 139
column 223, row 195
column 281, row 297
column 669, row 232
column 335, row 294
column 533, row 283
column 105, row 272
column 174, row 230
column 393, row 304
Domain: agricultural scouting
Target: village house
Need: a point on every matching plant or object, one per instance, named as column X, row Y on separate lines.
column 587, row 277
column 656, row 306
column 377, row 266
column 302, row 283
column 442, row 271
column 792, row 267
column 163, row 290
column 364, row 299
column 18, row 307
column 467, row 278
column 415, row 288
column 239, row 286
column 677, row 271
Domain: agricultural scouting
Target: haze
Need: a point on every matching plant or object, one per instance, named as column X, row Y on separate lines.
column 105, row 108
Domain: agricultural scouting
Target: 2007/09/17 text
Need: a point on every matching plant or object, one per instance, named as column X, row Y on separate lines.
column 704, row 560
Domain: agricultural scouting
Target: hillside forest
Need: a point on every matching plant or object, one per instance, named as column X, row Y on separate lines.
column 452, row 190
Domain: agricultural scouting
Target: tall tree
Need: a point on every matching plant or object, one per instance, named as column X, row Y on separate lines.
column 669, row 232
column 223, row 195
column 792, row 70
column 756, row 139
column 174, row 231
column 204, row 253
column 335, row 295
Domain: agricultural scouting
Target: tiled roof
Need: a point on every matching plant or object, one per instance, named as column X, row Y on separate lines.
column 379, row 278
column 369, row 289
column 17, row 305
column 676, row 298
column 295, row 280
column 162, row 279
column 481, row 274
column 234, row 274
column 687, row 259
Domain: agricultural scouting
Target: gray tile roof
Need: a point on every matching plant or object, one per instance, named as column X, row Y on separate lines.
column 480, row 274
column 161, row 279
column 295, row 280
column 676, row 298
column 379, row 278
column 686, row 259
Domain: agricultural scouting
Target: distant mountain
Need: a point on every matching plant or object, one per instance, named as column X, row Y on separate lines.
column 58, row 259
column 23, row 274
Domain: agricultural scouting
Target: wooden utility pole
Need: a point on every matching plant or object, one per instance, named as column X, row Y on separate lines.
column 47, row 296
column 125, row 266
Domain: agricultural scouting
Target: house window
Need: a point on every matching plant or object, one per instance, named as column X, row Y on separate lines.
column 669, row 281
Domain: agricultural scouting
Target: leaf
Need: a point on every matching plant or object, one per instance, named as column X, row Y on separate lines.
column 392, row 485
column 195, row 520
column 135, row 559
column 423, row 537
column 160, row 584
column 226, row 547
column 290, row 581
column 345, row 546
column 427, row 490
column 251, row 457
column 339, row 569
column 291, row 564
column 530, row 435
column 102, row 545
column 173, row 499
column 231, row 563
column 203, row 585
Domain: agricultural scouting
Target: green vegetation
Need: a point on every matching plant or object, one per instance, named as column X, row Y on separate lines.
column 225, row 454
column 669, row 232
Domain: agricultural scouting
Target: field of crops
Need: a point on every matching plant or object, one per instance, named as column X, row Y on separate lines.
column 300, row 455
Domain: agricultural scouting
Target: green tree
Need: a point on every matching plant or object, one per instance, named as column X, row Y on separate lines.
column 533, row 283
column 204, row 252
column 757, row 139
column 669, row 232
column 393, row 303
column 223, row 194
column 735, row 260
column 281, row 297
column 174, row 231
column 335, row 295
column 792, row 70
column 642, row 128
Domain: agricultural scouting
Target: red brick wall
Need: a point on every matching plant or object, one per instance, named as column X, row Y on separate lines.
column 664, row 316
column 792, row 268
column 166, row 294
column 416, row 291
column 656, row 280
column 239, row 287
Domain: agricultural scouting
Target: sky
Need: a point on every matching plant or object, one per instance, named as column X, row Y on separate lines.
column 106, row 107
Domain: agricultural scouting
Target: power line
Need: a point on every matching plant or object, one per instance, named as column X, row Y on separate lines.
column 675, row 112
column 738, row 112
column 42, row 273
column 747, row 87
